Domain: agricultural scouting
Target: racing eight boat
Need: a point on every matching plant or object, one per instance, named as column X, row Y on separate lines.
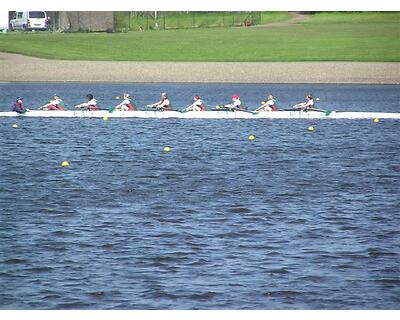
column 285, row 114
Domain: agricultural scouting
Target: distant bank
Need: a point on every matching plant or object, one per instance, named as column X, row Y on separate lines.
column 336, row 47
column 353, row 37
column 28, row 69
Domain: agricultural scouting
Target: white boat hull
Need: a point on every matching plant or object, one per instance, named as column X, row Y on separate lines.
column 204, row 114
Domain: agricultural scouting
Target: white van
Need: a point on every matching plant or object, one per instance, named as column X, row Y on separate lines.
column 29, row 20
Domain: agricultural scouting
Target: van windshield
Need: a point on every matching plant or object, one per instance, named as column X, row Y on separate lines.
column 36, row 14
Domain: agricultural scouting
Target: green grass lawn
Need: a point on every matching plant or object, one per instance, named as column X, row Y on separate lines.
column 275, row 16
column 324, row 37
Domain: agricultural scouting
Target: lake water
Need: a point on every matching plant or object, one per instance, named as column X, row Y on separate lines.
column 291, row 220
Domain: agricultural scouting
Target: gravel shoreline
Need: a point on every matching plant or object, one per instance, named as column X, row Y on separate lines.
column 18, row 68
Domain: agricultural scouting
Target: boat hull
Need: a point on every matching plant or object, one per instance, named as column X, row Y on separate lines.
column 204, row 114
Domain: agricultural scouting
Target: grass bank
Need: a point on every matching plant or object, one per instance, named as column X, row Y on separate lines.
column 323, row 37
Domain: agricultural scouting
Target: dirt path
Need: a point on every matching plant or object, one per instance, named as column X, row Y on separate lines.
column 27, row 69
column 296, row 18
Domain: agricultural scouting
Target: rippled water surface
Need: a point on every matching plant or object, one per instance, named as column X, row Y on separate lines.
column 292, row 220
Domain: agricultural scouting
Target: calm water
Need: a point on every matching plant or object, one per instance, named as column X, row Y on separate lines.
column 292, row 220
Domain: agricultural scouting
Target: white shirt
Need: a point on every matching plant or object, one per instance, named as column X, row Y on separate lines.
column 195, row 105
column 164, row 103
column 90, row 103
column 268, row 105
column 234, row 104
column 270, row 102
column 123, row 104
column 310, row 103
column 55, row 102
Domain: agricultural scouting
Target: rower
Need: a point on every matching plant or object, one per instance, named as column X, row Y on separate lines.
column 163, row 105
column 126, row 105
column 235, row 105
column 308, row 105
column 90, row 105
column 269, row 105
column 18, row 107
column 55, row 104
column 197, row 105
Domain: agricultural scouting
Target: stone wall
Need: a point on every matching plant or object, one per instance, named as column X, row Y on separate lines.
column 89, row 21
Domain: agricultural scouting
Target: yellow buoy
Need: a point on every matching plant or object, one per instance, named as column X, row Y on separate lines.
column 166, row 149
column 64, row 164
column 15, row 126
column 310, row 128
column 376, row 120
column 252, row 137
column 105, row 118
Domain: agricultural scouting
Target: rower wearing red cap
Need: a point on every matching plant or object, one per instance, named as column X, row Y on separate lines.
column 197, row 105
column 236, row 103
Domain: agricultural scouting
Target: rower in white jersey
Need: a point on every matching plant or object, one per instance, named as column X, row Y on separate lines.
column 126, row 104
column 308, row 105
column 55, row 103
column 163, row 105
column 269, row 105
column 197, row 105
column 90, row 105
column 235, row 105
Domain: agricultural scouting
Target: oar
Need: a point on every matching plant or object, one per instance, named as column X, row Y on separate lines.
column 220, row 108
column 242, row 110
column 150, row 106
column 184, row 110
column 81, row 107
column 318, row 110
column 298, row 106
column 327, row 112
column 223, row 108
column 248, row 111
column 154, row 108
column 160, row 110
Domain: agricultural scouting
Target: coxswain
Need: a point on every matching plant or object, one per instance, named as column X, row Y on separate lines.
column 18, row 107
column 235, row 105
column 55, row 104
column 308, row 105
column 269, row 105
column 197, row 105
column 126, row 104
column 163, row 105
column 90, row 105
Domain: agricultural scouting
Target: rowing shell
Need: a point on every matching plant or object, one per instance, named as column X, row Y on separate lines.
column 205, row 114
